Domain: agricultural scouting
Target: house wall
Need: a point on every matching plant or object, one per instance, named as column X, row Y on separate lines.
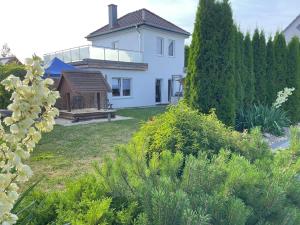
column 159, row 67
column 128, row 40
column 292, row 30
column 163, row 67
column 142, row 88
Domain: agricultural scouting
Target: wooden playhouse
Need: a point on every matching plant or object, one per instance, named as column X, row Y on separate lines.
column 83, row 95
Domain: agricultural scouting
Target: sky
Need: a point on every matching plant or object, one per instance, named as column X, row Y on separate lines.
column 43, row 26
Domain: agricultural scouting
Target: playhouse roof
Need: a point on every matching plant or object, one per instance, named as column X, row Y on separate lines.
column 81, row 81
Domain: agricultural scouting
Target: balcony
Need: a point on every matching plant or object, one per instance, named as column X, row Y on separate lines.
column 78, row 54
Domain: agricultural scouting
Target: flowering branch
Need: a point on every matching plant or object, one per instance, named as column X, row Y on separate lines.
column 282, row 97
column 33, row 112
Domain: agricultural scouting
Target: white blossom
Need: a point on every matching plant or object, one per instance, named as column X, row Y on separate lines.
column 33, row 112
column 282, row 97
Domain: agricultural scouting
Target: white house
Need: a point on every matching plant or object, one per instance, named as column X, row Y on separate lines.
column 293, row 29
column 141, row 54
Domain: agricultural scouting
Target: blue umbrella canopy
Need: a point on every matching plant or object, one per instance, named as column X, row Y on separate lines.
column 55, row 68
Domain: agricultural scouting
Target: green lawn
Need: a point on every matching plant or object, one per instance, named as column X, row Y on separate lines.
column 67, row 152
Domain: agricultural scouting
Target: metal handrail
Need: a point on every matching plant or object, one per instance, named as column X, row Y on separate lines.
column 70, row 58
column 95, row 46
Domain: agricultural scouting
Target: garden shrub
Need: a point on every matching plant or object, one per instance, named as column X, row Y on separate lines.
column 5, row 71
column 268, row 118
column 271, row 119
column 190, row 132
column 164, row 177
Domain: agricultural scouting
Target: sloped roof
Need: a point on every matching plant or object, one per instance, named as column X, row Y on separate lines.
column 137, row 18
column 292, row 23
column 9, row 59
column 83, row 81
column 55, row 67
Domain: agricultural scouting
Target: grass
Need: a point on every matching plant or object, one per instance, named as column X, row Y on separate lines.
column 68, row 152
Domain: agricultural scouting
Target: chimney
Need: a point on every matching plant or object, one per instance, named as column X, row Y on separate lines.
column 112, row 15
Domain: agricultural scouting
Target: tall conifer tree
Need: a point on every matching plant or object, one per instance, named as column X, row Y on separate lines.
column 210, row 80
column 292, row 106
column 280, row 62
column 239, row 68
column 259, row 60
column 192, row 80
column 248, row 78
column 271, row 93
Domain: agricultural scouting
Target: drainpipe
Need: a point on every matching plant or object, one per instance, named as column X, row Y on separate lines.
column 138, row 30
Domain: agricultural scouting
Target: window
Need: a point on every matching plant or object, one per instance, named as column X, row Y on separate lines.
column 160, row 46
column 121, row 87
column 115, row 45
column 171, row 48
column 116, row 87
column 126, row 87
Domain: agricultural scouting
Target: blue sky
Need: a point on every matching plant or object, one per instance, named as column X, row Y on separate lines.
column 35, row 26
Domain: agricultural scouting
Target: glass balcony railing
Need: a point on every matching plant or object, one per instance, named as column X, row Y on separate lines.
column 94, row 52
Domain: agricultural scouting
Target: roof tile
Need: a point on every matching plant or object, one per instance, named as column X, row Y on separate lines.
column 139, row 17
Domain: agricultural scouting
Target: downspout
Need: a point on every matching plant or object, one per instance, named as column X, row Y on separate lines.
column 140, row 37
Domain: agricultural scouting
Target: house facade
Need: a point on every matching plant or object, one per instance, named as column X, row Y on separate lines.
column 293, row 29
column 140, row 54
column 9, row 60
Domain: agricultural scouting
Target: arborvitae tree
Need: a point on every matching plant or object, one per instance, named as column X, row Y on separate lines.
column 239, row 68
column 292, row 106
column 259, row 61
column 186, row 55
column 192, row 79
column 248, row 78
column 270, row 76
column 210, row 80
column 280, row 64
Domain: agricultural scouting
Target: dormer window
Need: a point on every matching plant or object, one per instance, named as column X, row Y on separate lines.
column 115, row 45
column 171, row 48
column 160, row 46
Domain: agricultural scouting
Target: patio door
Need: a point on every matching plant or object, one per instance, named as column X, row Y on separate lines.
column 158, row 90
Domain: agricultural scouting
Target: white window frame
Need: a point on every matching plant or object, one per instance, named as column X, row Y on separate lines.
column 121, row 87
column 116, row 78
column 160, row 52
column 130, row 88
column 174, row 44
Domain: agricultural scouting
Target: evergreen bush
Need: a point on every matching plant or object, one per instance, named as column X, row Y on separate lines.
column 236, row 181
column 5, row 71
